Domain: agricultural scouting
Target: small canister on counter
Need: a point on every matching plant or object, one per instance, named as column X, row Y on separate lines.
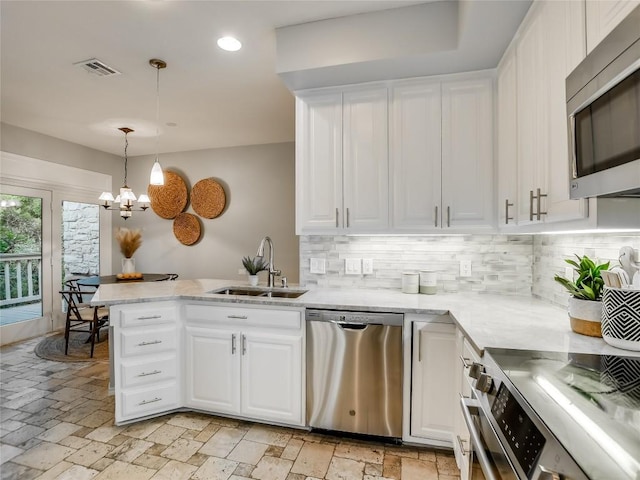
column 428, row 282
column 410, row 282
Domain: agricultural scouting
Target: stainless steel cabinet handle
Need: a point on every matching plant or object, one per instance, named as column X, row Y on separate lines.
column 149, row 317
column 436, row 216
column 146, row 374
column 461, row 444
column 244, row 344
column 419, row 346
column 154, row 342
column 337, row 215
column 145, row 402
column 506, row 211
column 240, row 317
column 448, row 216
column 539, row 198
column 233, row 344
column 465, row 361
column 348, row 218
column 531, row 197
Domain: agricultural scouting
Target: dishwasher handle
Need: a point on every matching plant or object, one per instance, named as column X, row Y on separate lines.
column 351, row 325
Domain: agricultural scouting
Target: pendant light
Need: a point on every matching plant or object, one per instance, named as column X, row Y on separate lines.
column 126, row 196
column 157, row 177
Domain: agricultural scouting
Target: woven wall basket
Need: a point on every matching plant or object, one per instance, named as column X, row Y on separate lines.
column 208, row 198
column 170, row 199
column 186, row 228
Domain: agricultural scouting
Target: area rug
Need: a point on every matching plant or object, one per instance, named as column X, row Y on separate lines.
column 52, row 347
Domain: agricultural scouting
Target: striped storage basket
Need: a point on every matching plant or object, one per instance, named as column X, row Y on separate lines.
column 621, row 318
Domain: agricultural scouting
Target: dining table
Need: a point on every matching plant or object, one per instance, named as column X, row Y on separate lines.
column 97, row 280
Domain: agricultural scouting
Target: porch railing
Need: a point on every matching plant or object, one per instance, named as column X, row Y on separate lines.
column 21, row 275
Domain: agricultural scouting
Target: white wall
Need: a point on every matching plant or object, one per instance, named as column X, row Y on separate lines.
column 259, row 184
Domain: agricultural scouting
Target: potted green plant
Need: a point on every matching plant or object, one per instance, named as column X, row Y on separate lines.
column 585, row 303
column 253, row 266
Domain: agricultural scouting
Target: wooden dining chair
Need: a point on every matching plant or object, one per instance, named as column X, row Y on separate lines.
column 82, row 317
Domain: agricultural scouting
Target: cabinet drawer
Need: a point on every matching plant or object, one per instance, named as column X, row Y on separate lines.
column 241, row 317
column 142, row 341
column 141, row 316
column 136, row 373
column 150, row 400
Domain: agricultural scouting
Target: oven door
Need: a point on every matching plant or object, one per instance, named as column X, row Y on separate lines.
column 490, row 460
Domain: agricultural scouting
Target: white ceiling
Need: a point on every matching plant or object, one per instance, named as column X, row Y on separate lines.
column 215, row 98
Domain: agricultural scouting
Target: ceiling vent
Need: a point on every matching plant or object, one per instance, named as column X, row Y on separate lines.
column 95, row 66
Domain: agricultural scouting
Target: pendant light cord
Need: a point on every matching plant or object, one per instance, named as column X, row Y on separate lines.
column 157, row 111
column 126, row 145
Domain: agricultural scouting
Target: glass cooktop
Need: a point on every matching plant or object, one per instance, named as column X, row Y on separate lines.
column 591, row 403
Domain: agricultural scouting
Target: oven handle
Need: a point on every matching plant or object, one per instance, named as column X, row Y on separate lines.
column 479, row 448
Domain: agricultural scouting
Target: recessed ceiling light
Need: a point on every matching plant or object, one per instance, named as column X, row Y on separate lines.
column 229, row 44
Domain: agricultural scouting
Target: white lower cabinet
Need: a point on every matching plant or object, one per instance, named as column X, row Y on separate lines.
column 432, row 396
column 461, row 435
column 246, row 362
column 146, row 356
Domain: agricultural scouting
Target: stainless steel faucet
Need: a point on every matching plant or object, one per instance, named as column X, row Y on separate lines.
column 272, row 271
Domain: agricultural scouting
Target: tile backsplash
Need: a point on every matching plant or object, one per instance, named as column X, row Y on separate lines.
column 499, row 263
column 550, row 251
column 506, row 264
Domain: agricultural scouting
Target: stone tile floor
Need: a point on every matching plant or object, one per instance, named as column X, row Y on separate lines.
column 56, row 422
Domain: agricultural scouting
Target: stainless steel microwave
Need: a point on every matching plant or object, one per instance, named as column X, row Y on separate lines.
column 603, row 107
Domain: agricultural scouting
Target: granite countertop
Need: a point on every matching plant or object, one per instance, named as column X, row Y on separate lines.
column 498, row 321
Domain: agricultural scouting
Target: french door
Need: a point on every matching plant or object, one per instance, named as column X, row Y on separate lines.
column 26, row 296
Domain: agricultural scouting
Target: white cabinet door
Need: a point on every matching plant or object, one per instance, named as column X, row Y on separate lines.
column 532, row 116
column 564, row 49
column 461, row 435
column 507, row 121
column 433, row 398
column 272, row 377
column 467, row 154
column 603, row 16
column 319, row 163
column 213, row 369
column 415, row 155
column 365, row 160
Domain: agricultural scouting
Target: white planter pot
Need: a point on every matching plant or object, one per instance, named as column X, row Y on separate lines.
column 128, row 265
column 253, row 280
column 585, row 316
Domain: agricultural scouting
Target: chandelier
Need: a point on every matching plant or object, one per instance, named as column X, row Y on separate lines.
column 126, row 197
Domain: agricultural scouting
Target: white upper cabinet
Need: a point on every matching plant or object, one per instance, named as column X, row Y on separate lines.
column 467, row 154
column 415, row 146
column 603, row 16
column 342, row 161
column 318, row 162
column 533, row 152
column 507, row 125
column 365, row 160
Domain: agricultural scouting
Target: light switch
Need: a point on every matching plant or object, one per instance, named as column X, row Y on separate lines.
column 367, row 266
column 353, row 266
column 465, row 268
column 317, row 265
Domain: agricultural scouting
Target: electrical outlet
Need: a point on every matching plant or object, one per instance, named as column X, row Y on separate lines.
column 367, row 266
column 465, row 268
column 353, row 266
column 318, row 266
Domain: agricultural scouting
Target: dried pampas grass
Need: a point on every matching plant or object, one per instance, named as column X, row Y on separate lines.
column 129, row 240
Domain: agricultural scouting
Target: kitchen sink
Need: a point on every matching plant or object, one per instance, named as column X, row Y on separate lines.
column 260, row 292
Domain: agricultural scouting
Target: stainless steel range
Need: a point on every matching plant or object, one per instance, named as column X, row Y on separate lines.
column 548, row 415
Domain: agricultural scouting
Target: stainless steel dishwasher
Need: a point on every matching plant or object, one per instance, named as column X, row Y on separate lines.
column 354, row 372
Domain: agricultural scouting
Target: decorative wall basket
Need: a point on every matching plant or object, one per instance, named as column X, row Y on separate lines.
column 208, row 198
column 621, row 318
column 186, row 228
column 170, row 199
